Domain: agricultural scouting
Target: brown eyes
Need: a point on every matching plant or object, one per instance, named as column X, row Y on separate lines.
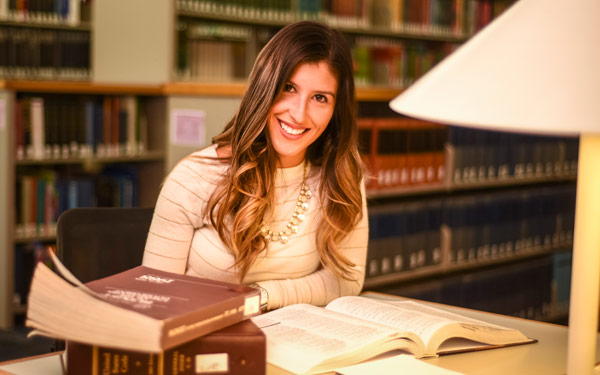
column 318, row 97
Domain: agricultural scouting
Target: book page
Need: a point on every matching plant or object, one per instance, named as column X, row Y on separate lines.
column 68, row 276
column 410, row 316
column 300, row 337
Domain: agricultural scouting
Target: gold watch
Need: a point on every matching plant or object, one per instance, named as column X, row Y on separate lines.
column 264, row 297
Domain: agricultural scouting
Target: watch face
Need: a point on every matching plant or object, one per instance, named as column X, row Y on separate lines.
column 264, row 297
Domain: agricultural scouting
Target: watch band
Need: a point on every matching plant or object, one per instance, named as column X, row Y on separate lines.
column 264, row 297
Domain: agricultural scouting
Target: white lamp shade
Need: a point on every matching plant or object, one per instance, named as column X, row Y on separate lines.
column 534, row 69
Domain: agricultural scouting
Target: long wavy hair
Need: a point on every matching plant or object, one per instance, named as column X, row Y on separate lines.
column 246, row 193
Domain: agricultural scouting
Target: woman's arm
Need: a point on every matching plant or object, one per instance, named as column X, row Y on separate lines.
column 177, row 213
column 323, row 286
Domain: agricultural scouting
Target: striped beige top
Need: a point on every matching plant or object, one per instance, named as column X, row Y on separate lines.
column 181, row 240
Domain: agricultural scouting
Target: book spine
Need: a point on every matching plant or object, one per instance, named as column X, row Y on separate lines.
column 214, row 354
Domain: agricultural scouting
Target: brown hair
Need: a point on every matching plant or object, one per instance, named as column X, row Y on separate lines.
column 239, row 203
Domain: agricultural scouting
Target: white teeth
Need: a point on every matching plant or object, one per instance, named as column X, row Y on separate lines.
column 290, row 130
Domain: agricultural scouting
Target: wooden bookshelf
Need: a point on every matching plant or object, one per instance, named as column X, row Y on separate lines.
column 82, row 26
column 448, row 267
column 285, row 17
column 232, row 89
column 76, row 87
column 153, row 155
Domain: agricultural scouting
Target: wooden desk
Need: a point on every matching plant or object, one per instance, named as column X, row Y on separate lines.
column 547, row 357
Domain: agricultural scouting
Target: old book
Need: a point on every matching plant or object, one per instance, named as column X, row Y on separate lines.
column 308, row 339
column 239, row 349
column 140, row 309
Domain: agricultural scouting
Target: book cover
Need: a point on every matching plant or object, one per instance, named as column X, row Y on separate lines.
column 140, row 309
column 239, row 349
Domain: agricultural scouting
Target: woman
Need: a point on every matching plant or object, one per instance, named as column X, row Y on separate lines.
column 278, row 200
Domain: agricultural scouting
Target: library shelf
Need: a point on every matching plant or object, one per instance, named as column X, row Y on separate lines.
column 79, row 87
column 348, row 26
column 148, row 156
column 448, row 267
column 47, row 24
column 32, row 239
column 236, row 89
column 219, row 89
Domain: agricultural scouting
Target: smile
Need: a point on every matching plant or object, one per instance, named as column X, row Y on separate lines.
column 290, row 130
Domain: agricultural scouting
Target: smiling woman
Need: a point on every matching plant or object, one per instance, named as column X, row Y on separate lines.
column 278, row 200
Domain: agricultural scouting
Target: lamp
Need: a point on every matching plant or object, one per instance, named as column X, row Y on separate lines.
column 535, row 69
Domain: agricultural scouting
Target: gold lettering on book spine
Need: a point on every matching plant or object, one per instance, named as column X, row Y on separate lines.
column 188, row 327
column 95, row 360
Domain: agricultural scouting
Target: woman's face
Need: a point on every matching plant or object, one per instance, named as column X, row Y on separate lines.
column 302, row 111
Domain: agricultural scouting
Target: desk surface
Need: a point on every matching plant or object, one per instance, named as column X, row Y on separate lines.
column 548, row 356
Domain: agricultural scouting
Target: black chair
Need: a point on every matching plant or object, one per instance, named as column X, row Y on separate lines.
column 94, row 242
column 100, row 241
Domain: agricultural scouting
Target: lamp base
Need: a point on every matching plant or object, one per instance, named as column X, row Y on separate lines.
column 585, row 274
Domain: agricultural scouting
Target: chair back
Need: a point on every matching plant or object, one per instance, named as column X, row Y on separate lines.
column 95, row 242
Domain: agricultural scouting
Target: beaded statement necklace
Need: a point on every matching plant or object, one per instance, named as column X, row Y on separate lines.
column 297, row 216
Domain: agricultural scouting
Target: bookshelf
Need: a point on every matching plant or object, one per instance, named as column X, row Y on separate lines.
column 139, row 54
column 45, row 40
column 123, row 176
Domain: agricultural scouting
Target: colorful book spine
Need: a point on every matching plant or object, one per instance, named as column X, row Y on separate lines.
column 404, row 152
column 40, row 53
column 59, row 127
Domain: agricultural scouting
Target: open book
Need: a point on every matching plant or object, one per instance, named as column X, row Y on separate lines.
column 308, row 339
column 140, row 309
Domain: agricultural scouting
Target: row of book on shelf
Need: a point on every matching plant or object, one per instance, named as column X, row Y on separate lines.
column 537, row 288
column 67, row 12
column 401, row 152
column 41, row 196
column 395, row 63
column 436, row 17
column 156, row 322
column 44, row 54
column 58, row 127
column 213, row 52
column 480, row 155
column 457, row 230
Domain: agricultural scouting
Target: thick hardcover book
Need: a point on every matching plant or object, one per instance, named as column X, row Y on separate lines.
column 239, row 349
column 140, row 309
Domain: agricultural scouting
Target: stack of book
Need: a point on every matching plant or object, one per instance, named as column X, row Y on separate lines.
column 147, row 321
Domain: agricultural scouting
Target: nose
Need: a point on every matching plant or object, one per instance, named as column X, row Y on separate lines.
column 298, row 109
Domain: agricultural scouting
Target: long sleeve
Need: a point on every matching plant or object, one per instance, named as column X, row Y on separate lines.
column 178, row 214
column 322, row 286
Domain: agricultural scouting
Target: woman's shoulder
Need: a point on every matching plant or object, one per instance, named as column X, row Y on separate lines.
column 204, row 163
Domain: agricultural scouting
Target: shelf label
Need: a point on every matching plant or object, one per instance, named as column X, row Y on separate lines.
column 188, row 127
